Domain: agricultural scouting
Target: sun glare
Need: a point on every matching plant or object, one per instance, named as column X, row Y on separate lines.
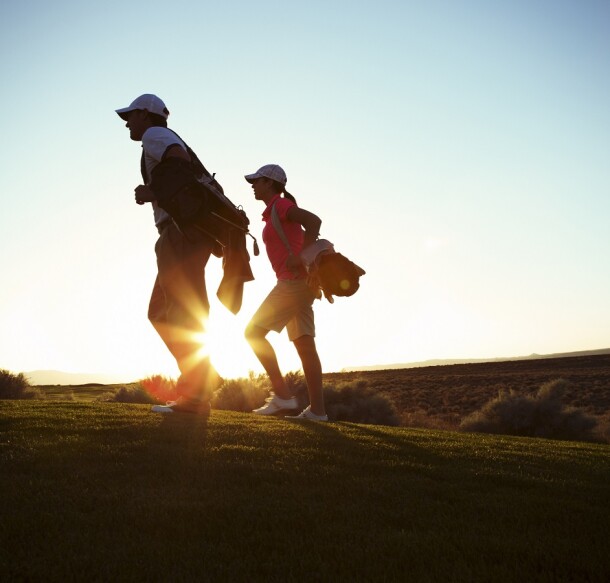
column 204, row 339
column 224, row 342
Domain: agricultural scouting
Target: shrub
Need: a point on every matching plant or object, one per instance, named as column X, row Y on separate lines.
column 296, row 385
column 160, row 388
column 358, row 402
column 354, row 401
column 133, row 394
column 241, row 395
column 148, row 391
column 603, row 427
column 16, row 386
column 539, row 415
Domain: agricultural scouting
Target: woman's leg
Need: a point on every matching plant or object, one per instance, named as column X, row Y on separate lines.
column 312, row 368
column 256, row 337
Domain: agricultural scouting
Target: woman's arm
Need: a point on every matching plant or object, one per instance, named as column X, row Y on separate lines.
column 310, row 222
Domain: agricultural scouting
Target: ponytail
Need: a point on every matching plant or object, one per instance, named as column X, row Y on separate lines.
column 289, row 196
column 280, row 188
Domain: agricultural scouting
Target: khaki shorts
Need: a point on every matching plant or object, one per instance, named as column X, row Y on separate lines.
column 287, row 305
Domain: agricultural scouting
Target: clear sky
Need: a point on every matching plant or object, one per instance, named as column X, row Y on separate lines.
column 459, row 151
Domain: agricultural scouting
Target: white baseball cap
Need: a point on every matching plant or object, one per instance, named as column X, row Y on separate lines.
column 272, row 171
column 149, row 102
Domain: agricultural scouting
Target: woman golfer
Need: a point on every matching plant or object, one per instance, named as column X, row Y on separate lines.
column 289, row 304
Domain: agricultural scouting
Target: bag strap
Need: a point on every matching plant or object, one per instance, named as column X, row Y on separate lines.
column 313, row 281
column 198, row 167
column 197, row 164
column 277, row 225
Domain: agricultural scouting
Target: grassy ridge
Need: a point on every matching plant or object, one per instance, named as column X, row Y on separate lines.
column 103, row 491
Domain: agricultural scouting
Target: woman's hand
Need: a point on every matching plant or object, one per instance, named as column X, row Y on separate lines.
column 295, row 264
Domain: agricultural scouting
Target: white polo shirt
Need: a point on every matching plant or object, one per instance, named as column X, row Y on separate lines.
column 155, row 142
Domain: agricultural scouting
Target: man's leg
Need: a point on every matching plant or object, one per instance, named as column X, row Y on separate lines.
column 179, row 308
column 312, row 368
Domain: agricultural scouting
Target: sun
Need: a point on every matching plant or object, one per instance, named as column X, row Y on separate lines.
column 223, row 341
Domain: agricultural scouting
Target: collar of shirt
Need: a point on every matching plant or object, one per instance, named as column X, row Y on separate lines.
column 267, row 211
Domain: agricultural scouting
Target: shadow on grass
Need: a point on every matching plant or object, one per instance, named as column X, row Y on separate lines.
column 357, row 442
column 181, row 430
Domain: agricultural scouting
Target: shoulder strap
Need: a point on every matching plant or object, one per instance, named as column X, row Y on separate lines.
column 143, row 170
column 195, row 161
column 277, row 225
column 198, row 167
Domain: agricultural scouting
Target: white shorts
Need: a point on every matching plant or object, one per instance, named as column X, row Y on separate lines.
column 287, row 305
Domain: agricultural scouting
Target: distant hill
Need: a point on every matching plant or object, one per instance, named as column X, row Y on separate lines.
column 56, row 377
column 449, row 361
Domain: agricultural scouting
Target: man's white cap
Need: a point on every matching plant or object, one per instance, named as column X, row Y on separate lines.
column 272, row 171
column 149, row 102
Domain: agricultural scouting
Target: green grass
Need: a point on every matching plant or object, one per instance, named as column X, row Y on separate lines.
column 85, row 393
column 111, row 492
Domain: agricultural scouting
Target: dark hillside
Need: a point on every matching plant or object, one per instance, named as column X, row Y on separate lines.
column 449, row 393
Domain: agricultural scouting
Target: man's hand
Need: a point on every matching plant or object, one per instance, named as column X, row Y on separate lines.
column 144, row 194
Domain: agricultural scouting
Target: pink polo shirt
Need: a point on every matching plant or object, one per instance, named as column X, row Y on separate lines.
column 276, row 250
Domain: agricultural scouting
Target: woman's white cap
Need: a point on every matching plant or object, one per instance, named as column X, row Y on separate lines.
column 272, row 171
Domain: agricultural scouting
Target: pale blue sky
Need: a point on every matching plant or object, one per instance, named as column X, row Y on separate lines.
column 458, row 151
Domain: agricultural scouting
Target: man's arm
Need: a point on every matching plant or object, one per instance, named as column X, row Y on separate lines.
column 176, row 151
column 143, row 192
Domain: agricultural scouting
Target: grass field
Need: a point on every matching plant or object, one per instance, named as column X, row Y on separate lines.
column 110, row 492
column 439, row 397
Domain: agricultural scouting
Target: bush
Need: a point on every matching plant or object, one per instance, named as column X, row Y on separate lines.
column 355, row 401
column 241, row 395
column 246, row 394
column 296, row 385
column 16, row 386
column 539, row 415
column 149, row 391
column 603, row 427
column 358, row 402
column 133, row 394
column 159, row 388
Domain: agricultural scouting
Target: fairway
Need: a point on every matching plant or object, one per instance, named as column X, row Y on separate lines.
column 111, row 492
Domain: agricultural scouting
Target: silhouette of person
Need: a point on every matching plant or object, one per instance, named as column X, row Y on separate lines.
column 179, row 305
column 289, row 304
